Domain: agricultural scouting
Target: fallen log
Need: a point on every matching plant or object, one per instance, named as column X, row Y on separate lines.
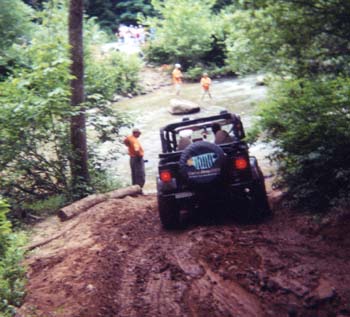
column 84, row 204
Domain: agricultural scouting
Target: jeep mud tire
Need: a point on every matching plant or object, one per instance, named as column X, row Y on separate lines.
column 169, row 213
column 258, row 204
column 202, row 163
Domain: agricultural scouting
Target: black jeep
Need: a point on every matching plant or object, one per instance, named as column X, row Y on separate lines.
column 198, row 168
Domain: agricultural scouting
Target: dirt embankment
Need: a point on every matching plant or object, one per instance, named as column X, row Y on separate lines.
column 116, row 260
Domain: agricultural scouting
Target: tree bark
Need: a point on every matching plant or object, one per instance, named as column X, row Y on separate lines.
column 84, row 204
column 79, row 161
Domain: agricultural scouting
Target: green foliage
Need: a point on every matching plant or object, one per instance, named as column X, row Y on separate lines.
column 195, row 73
column 250, row 40
column 301, row 37
column 111, row 13
column 15, row 27
column 183, row 32
column 103, row 182
column 11, row 273
column 128, row 11
column 103, row 10
column 34, row 114
column 14, row 21
column 46, row 206
column 5, row 227
column 116, row 73
column 35, row 117
column 308, row 121
column 12, row 276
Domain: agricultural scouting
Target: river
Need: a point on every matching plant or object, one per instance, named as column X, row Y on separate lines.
column 150, row 113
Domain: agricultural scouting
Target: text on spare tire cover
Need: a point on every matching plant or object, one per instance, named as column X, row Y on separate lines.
column 203, row 165
column 202, row 161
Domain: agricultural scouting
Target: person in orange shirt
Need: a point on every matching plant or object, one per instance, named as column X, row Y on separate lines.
column 136, row 153
column 177, row 78
column 205, row 84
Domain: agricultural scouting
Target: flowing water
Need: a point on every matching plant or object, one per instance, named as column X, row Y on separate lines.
column 151, row 112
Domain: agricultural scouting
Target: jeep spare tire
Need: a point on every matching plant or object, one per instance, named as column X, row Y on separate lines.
column 202, row 163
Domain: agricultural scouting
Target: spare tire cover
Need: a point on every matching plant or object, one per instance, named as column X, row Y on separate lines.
column 202, row 163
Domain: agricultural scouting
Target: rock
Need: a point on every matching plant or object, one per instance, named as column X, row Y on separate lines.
column 117, row 98
column 325, row 290
column 288, row 285
column 261, row 80
column 323, row 293
column 182, row 106
column 90, row 287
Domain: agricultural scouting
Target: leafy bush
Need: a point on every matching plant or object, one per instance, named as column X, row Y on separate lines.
column 12, row 276
column 11, row 273
column 183, row 33
column 287, row 36
column 308, row 121
column 5, row 227
column 46, row 206
column 35, row 117
column 195, row 73
column 116, row 73
column 15, row 27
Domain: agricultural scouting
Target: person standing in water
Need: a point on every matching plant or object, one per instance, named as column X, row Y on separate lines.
column 205, row 84
column 177, row 78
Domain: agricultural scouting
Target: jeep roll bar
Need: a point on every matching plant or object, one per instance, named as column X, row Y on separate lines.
column 168, row 133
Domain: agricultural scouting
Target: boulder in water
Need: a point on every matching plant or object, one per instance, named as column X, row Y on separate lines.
column 182, row 106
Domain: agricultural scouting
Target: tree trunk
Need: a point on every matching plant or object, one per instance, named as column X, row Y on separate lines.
column 86, row 203
column 79, row 166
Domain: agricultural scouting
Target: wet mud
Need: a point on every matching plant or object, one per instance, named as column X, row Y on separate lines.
column 118, row 261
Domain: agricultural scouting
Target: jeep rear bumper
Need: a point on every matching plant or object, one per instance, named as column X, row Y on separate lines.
column 231, row 193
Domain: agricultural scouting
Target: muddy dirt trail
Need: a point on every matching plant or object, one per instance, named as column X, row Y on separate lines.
column 116, row 260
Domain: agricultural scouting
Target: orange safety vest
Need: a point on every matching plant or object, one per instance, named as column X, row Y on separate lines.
column 177, row 76
column 205, row 83
column 134, row 146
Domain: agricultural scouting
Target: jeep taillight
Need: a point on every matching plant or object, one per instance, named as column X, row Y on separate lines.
column 241, row 163
column 165, row 176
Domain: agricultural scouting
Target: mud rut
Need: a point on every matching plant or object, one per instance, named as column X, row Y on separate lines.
column 118, row 261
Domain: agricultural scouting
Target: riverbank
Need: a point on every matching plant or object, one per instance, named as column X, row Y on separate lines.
column 154, row 78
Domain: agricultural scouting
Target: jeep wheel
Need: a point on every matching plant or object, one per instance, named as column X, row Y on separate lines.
column 260, row 203
column 169, row 213
column 202, row 163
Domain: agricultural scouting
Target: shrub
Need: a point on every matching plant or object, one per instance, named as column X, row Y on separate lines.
column 116, row 73
column 308, row 121
column 11, row 273
column 12, row 276
column 5, row 227
column 35, row 117
column 195, row 73
column 183, row 33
